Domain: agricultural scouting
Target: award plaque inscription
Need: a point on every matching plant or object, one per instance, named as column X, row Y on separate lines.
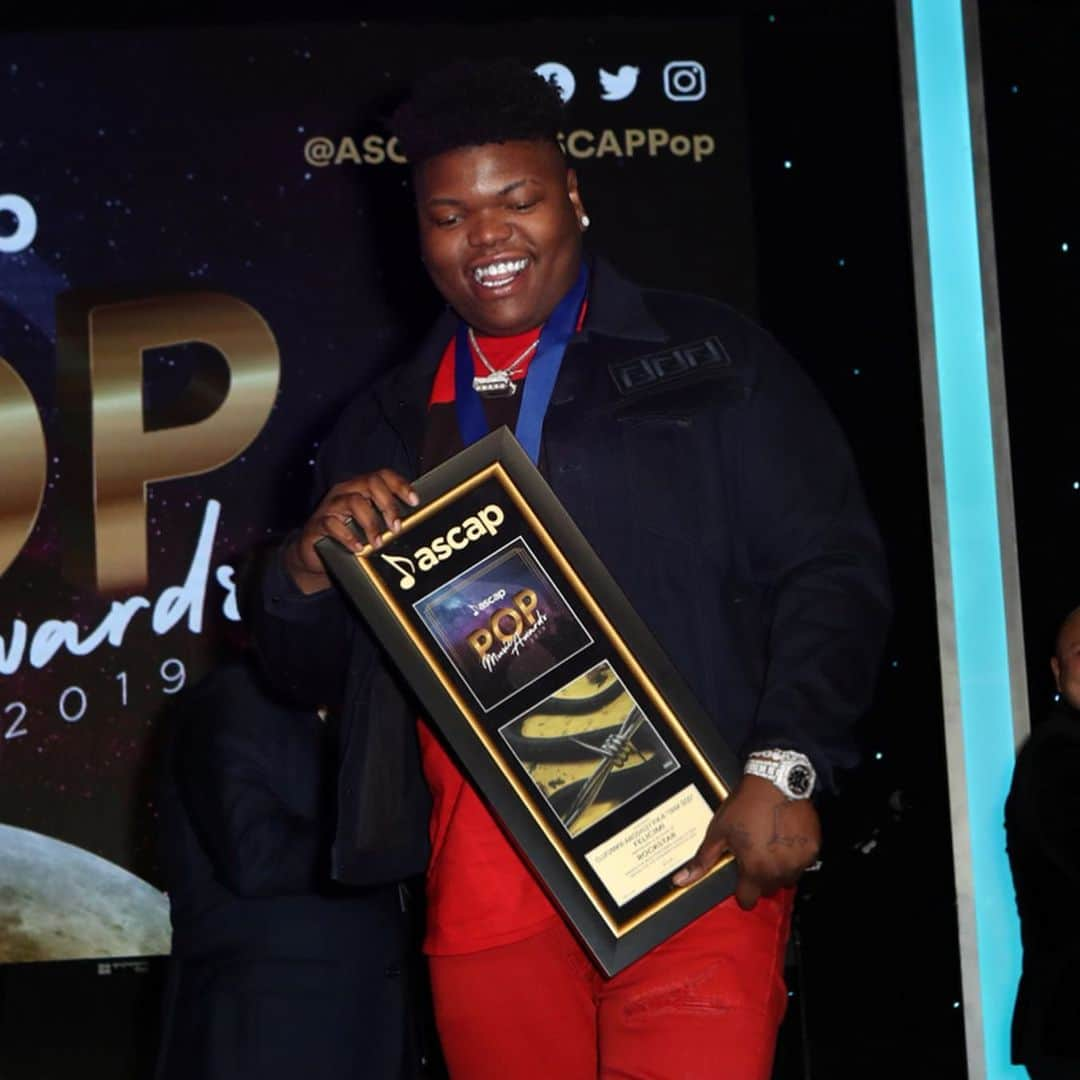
column 567, row 716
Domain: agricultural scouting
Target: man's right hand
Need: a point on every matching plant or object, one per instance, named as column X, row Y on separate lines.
column 373, row 501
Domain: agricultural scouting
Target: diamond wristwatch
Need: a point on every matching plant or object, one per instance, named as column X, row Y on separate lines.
column 789, row 770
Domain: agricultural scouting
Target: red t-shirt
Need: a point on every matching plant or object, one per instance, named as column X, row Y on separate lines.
column 480, row 893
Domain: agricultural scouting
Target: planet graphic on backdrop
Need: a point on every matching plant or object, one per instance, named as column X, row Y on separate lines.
column 60, row 902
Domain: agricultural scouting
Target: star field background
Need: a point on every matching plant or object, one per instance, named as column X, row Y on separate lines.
column 201, row 180
column 1031, row 87
column 178, row 162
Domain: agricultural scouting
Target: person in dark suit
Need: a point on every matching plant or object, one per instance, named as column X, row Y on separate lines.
column 1042, row 825
column 275, row 972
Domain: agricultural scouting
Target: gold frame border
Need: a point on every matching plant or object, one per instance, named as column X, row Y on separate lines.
column 498, row 472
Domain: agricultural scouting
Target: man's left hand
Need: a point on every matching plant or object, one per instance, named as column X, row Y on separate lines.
column 773, row 838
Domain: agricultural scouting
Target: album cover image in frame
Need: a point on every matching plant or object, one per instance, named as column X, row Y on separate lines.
column 490, row 564
column 503, row 624
column 589, row 748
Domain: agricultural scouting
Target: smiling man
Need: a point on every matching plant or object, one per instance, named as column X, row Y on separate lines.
column 726, row 505
column 500, row 232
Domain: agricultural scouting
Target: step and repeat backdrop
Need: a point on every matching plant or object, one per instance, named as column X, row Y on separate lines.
column 206, row 247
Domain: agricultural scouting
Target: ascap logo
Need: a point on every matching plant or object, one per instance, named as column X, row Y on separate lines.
column 484, row 523
column 494, row 598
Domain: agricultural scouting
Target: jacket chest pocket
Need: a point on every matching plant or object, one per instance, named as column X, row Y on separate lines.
column 675, row 468
column 661, row 469
column 642, row 467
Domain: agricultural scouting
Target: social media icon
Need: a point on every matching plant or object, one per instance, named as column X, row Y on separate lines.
column 684, row 80
column 26, row 224
column 620, row 85
column 561, row 76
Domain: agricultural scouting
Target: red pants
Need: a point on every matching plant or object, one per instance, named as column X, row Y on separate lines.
column 705, row 1004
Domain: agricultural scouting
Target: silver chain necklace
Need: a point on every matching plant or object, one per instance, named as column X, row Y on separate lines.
column 497, row 383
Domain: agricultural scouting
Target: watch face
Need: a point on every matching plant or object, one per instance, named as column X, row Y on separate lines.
column 799, row 780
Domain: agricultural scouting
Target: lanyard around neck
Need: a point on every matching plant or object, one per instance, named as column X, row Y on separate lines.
column 539, row 379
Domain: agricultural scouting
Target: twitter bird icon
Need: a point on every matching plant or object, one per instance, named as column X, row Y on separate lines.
column 620, row 85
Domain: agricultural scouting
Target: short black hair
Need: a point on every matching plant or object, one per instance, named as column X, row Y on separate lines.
column 474, row 103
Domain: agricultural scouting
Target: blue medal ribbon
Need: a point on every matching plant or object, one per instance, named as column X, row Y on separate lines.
column 539, row 379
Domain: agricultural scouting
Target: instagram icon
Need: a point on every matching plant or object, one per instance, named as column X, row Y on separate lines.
column 684, row 80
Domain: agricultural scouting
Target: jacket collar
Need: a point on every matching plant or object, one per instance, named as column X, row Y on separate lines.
column 404, row 391
column 616, row 310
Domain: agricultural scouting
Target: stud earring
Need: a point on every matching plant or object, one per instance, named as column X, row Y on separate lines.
column 585, row 223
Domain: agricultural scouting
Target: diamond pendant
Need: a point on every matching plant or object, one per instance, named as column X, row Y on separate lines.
column 496, row 385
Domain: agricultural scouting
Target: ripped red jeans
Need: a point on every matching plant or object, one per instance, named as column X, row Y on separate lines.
column 705, row 1004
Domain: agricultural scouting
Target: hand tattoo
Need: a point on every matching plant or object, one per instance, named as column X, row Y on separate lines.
column 779, row 837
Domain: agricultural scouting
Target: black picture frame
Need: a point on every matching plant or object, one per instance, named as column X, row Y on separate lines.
column 559, row 703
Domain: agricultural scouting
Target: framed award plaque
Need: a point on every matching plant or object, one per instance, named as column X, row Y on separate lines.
column 559, row 704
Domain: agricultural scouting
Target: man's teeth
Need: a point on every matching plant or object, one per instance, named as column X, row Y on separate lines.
column 500, row 273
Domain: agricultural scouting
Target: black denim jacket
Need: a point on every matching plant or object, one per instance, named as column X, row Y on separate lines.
column 708, row 474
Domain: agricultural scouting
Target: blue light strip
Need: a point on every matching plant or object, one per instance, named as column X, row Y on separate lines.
column 971, row 502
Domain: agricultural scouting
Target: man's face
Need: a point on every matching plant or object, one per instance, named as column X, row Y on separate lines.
column 1066, row 664
column 500, row 232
